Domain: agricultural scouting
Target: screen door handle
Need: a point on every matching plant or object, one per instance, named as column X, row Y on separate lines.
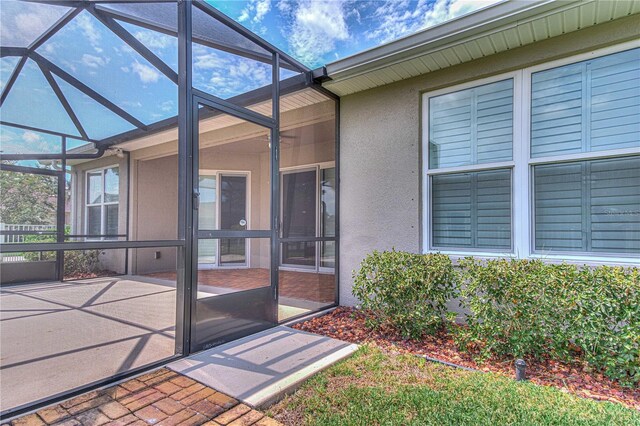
column 196, row 199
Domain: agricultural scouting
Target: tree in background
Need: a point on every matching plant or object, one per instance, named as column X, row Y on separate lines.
column 27, row 198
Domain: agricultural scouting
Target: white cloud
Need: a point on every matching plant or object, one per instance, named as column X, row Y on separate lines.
column 133, row 104
column 227, row 75
column 316, row 28
column 31, row 137
column 256, row 8
column 89, row 30
column 145, row 72
column 398, row 18
column 167, row 106
column 156, row 40
column 93, row 61
column 23, row 22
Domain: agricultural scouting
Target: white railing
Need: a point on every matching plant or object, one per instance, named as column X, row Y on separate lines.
column 19, row 238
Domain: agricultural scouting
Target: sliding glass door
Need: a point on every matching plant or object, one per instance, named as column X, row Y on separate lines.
column 299, row 219
column 308, row 213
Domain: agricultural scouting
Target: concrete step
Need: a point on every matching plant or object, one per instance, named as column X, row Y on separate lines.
column 262, row 368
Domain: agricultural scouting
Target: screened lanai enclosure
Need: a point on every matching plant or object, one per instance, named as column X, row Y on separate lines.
column 168, row 183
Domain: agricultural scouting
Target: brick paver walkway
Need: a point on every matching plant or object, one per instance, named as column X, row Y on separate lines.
column 161, row 397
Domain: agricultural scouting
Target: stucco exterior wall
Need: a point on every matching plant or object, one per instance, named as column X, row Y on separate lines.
column 380, row 145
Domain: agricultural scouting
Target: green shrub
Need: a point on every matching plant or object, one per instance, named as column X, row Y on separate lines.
column 528, row 308
column 80, row 263
column 405, row 290
column 77, row 263
column 605, row 320
column 517, row 308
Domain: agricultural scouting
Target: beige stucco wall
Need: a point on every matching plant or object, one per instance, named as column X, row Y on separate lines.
column 380, row 145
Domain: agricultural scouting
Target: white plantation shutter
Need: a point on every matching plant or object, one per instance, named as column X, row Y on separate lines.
column 587, row 106
column 471, row 126
column 588, row 206
column 472, row 210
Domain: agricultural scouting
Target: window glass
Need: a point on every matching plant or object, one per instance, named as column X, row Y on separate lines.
column 472, row 210
column 94, row 191
column 93, row 221
column 103, row 189
column 111, row 185
column 328, row 201
column 587, row 106
column 111, row 219
column 471, row 126
column 588, row 206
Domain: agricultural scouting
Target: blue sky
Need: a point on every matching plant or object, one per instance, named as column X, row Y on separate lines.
column 319, row 32
column 314, row 32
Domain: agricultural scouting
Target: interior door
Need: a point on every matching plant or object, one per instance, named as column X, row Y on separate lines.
column 235, row 293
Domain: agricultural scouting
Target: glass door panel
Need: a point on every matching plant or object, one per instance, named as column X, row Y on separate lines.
column 299, row 217
column 208, row 249
column 233, row 216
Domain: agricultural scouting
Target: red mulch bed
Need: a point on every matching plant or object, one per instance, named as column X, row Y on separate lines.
column 348, row 324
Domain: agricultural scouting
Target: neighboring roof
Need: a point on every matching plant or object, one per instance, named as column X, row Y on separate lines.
column 503, row 26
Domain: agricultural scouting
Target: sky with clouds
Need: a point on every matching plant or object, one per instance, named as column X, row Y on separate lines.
column 319, row 32
column 315, row 32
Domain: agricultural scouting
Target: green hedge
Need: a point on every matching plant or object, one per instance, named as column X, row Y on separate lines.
column 515, row 308
column 405, row 290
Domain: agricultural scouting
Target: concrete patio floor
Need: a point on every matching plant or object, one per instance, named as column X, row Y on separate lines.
column 58, row 336
column 95, row 328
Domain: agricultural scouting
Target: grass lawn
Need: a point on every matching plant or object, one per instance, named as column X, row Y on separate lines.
column 374, row 388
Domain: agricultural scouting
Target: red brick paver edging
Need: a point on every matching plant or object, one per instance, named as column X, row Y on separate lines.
column 161, row 397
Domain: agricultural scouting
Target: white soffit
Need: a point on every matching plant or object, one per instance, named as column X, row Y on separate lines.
column 498, row 28
column 289, row 102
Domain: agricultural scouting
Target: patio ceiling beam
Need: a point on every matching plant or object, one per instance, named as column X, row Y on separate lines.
column 63, row 100
column 49, row 132
column 86, row 90
column 135, row 44
column 164, row 29
column 88, row 156
column 230, row 108
column 13, row 51
column 30, row 170
column 69, row 3
column 12, row 79
column 64, row 20
column 224, row 19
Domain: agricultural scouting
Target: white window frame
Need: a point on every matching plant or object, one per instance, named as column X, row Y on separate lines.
column 502, row 165
column 523, row 219
column 102, row 204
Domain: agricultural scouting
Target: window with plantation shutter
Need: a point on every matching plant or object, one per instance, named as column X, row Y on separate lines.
column 471, row 126
column 588, row 106
column 588, row 206
column 538, row 162
column 472, row 210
